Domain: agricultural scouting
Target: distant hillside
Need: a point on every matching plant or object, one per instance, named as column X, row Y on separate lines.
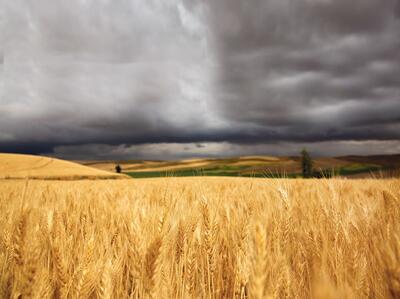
column 383, row 160
column 254, row 166
column 13, row 166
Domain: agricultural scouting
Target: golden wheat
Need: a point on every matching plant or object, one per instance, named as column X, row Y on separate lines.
column 15, row 166
column 200, row 238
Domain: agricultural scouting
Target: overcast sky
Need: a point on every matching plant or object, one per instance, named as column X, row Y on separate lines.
column 165, row 79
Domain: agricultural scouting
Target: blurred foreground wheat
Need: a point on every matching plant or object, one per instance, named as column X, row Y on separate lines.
column 200, row 238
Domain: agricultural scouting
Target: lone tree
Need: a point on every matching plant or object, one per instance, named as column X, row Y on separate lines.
column 306, row 164
column 118, row 168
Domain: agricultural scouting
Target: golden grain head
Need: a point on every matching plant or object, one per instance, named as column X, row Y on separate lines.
column 200, row 238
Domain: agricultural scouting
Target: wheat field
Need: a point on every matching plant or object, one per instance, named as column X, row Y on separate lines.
column 200, row 238
column 16, row 166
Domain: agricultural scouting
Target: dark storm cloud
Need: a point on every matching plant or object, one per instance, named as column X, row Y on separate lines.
column 329, row 69
column 136, row 72
column 99, row 71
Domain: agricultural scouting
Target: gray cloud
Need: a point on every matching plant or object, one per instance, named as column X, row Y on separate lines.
column 96, row 71
column 330, row 68
column 245, row 73
column 173, row 151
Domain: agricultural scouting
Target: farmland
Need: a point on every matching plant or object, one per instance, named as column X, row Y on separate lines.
column 36, row 167
column 79, row 236
column 255, row 166
column 200, row 149
column 200, row 238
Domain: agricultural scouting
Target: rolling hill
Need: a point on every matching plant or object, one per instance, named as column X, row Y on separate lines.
column 255, row 166
column 14, row 166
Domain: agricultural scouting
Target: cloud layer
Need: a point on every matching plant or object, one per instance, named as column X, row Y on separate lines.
column 251, row 74
column 311, row 70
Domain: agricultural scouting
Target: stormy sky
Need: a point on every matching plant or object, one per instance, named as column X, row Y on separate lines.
column 166, row 79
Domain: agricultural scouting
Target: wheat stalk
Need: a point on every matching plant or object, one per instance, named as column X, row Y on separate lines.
column 215, row 238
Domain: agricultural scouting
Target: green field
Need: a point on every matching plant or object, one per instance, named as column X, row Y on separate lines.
column 256, row 166
column 359, row 168
column 246, row 171
column 222, row 170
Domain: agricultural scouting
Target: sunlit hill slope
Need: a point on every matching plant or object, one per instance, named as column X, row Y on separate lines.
column 13, row 166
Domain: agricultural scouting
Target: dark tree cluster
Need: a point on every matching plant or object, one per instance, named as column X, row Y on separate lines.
column 306, row 164
column 118, row 168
